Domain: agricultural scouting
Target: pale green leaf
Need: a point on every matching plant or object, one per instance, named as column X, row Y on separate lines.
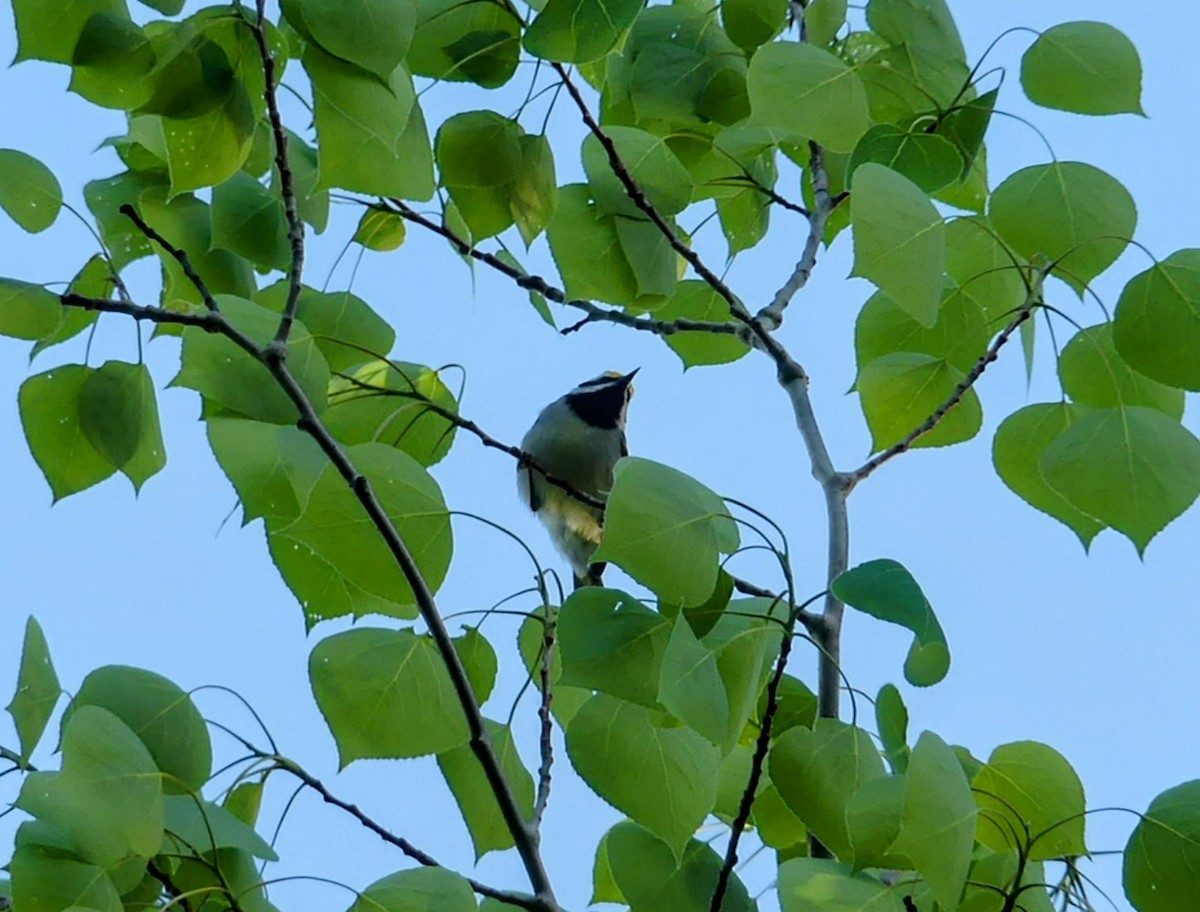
column 381, row 230
column 984, row 269
column 37, row 689
column 28, row 311
column 50, row 31
column 29, row 191
column 272, row 467
column 900, row 392
column 1162, row 859
column 812, row 884
column 1085, row 67
column 422, row 889
column 49, row 404
column 655, row 169
column 194, row 826
column 696, row 300
column 959, row 336
column 579, row 31
column 891, row 718
column 1094, row 374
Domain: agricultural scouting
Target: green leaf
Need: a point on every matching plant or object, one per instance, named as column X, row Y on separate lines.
column 1133, row 469
column 1017, row 450
column 809, row 884
column 823, row 19
column 1094, row 374
column 386, row 402
column 49, row 404
column 898, row 239
column 654, row 264
column 1157, row 324
column 104, row 199
column 531, row 644
column 474, row 794
column 219, row 370
column 696, row 300
column 50, row 31
column 312, row 203
column 374, row 34
column 162, row 716
column 590, row 256
column 604, row 887
column 610, row 642
column 1028, row 791
column 884, row 589
column 107, row 801
column 579, row 31
column 690, row 684
column 1085, row 67
column 533, row 194
column 385, row 694
column 466, row 42
column 29, row 191
column 345, row 328
column 479, row 156
column 937, row 830
column 248, row 219
column 959, row 336
column 650, row 877
column 94, row 280
column 797, row 705
column 818, row 770
column 45, row 879
column 658, row 172
column 891, row 718
column 1070, row 213
column 37, row 690
column 418, row 890
column 381, row 230
column 360, row 122
column 750, row 23
column 901, row 391
column 927, row 159
column 197, row 826
column 666, row 530
column 113, row 62
column 332, row 556
column 807, row 92
column 479, row 661
column 662, row 776
column 1162, row 858
column 984, row 269
column 273, row 467
column 28, row 311
column 203, row 151
column 119, row 416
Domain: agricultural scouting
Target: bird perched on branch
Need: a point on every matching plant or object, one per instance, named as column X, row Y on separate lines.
column 576, row 440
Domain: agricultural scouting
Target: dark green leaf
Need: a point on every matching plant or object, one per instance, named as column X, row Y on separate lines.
column 1132, row 468
column 29, row 191
column 1094, row 374
column 666, row 530
column 1085, row 67
column 1157, row 324
column 375, row 34
column 112, row 62
column 823, row 19
column 45, row 879
column 750, row 23
column 118, row 412
column 650, row 162
column 966, row 125
column 1069, row 213
column 886, row 590
column 332, row 555
column 248, row 219
column 926, row 159
column 37, row 689
column 162, row 716
column 50, row 31
column 466, row 42
column 1162, row 859
column 385, row 694
column 639, row 761
column 899, row 241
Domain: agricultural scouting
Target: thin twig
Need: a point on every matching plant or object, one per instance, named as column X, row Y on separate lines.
column 546, row 738
column 954, row 399
column 536, row 283
column 807, row 620
column 416, row 854
column 178, row 255
column 287, row 183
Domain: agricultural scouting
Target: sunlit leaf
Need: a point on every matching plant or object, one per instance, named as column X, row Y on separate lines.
column 1085, row 67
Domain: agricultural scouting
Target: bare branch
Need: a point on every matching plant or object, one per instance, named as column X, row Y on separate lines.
column 287, row 183
column 954, row 399
column 178, row 255
column 417, row 855
column 545, row 741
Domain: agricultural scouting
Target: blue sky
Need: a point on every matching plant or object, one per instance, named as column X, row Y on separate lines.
column 1091, row 653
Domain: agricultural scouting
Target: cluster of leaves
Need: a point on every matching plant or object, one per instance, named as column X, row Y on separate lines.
column 671, row 712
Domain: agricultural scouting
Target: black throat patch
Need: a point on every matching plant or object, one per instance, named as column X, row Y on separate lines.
column 599, row 406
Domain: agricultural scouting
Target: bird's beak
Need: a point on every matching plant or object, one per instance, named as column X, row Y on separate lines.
column 629, row 376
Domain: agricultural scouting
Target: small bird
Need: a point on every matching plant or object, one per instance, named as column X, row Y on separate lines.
column 577, row 439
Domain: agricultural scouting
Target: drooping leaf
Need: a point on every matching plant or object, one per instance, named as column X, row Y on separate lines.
column 579, row 31
column 1028, row 792
column 385, row 694
column 588, row 252
column 162, row 716
column 750, row 23
column 94, row 280
column 1157, row 324
column 374, row 34
column 49, row 404
column 531, row 643
column 1094, row 374
column 818, row 770
column 533, row 194
column 1017, row 451
column 1162, row 858
column 666, row 530
column 474, row 794
column 984, row 269
column 332, row 556
column 118, row 412
column 37, row 689
column 901, row 391
column 610, row 642
column 891, row 718
column 690, row 684
column 479, row 156
column 807, row 92
column 926, row 24
column 886, row 590
column 1133, row 468
column 380, row 230
column 639, row 761
column 823, row 19
column 1085, row 67
column 1070, row 213
column 272, row 467
column 899, row 239
column 965, row 126
column 29, row 191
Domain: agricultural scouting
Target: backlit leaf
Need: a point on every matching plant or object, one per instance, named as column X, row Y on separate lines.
column 1162, row 859
column 1094, row 374
column 901, row 391
column 1085, row 67
column 37, row 689
column 29, row 191
column 579, row 31
column 1157, row 324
